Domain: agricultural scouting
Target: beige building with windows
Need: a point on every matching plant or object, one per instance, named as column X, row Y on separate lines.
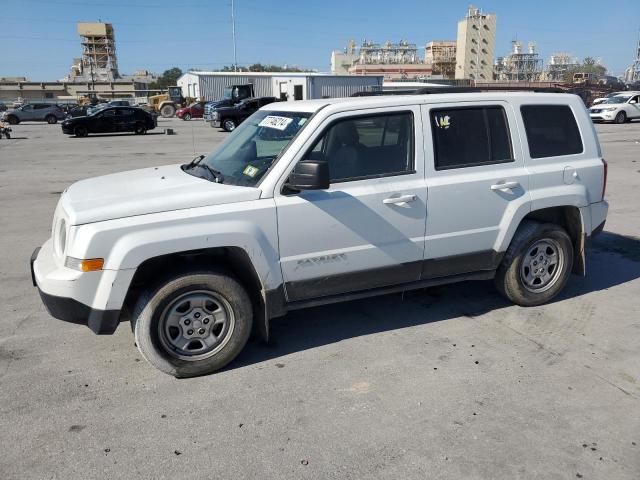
column 476, row 46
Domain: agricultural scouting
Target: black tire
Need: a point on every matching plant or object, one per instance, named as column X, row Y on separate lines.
column 140, row 129
column 510, row 276
column 13, row 120
column 8, row 135
column 149, row 323
column 621, row 117
column 51, row 119
column 168, row 111
column 229, row 125
column 186, row 116
column 80, row 131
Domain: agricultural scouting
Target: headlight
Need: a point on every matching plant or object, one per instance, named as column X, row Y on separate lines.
column 60, row 236
column 88, row 265
column 609, row 109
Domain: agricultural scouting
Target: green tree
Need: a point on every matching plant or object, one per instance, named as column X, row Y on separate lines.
column 167, row 79
column 588, row 65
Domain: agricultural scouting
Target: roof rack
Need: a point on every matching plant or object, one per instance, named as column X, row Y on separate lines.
column 436, row 90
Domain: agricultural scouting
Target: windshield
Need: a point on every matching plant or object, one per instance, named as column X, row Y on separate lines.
column 617, row 99
column 246, row 155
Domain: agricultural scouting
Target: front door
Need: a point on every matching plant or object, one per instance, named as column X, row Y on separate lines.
column 477, row 181
column 367, row 229
column 104, row 122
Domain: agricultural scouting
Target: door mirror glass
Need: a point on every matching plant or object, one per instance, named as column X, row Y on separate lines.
column 309, row 175
column 633, row 101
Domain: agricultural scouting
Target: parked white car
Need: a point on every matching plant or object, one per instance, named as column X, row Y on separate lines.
column 619, row 108
column 322, row 201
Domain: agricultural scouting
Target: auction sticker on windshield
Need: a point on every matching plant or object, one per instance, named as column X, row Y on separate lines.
column 273, row 121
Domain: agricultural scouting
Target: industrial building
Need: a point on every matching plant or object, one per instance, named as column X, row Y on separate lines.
column 95, row 73
column 286, row 86
column 519, row 65
column 558, row 66
column 476, row 45
column 441, row 56
column 632, row 74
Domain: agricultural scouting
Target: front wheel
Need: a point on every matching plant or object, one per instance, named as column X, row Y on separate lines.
column 621, row 118
column 186, row 116
column 51, row 119
column 80, row 131
column 229, row 125
column 140, row 129
column 13, row 120
column 193, row 324
column 537, row 264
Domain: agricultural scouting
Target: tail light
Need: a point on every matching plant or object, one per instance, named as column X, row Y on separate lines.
column 604, row 180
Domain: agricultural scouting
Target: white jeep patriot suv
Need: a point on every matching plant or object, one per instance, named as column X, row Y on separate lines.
column 321, row 201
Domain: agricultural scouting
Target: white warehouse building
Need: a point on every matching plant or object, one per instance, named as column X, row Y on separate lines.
column 209, row 86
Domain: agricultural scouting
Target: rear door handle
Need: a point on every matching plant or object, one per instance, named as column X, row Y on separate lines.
column 401, row 200
column 505, row 186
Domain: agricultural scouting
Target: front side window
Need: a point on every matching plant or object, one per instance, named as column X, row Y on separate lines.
column 551, row 130
column 367, row 147
column 246, row 155
column 470, row 136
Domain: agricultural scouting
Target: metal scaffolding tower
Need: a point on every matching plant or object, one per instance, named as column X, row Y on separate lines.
column 632, row 74
column 98, row 62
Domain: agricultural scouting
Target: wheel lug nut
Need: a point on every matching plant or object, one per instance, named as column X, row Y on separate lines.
column 189, row 332
column 197, row 315
column 205, row 321
column 201, row 331
column 187, row 321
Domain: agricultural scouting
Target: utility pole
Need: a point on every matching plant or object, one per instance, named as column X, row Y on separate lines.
column 233, row 32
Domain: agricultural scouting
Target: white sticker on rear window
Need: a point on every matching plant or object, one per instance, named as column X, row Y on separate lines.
column 273, row 121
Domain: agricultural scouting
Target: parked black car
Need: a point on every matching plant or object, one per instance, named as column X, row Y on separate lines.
column 77, row 111
column 230, row 117
column 112, row 119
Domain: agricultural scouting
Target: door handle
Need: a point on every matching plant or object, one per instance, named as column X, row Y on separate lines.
column 401, row 200
column 505, row 186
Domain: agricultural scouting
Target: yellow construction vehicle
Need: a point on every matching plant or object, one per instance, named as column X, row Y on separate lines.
column 167, row 103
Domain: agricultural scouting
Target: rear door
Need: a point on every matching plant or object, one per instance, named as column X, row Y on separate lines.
column 476, row 180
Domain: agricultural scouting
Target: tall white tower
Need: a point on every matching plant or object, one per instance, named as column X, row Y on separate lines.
column 476, row 45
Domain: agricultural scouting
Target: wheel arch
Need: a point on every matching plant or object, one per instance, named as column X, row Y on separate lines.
column 571, row 219
column 231, row 259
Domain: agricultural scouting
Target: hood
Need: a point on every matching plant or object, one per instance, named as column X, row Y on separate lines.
column 145, row 191
column 600, row 106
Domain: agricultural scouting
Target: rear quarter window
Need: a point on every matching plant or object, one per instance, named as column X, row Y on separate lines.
column 552, row 130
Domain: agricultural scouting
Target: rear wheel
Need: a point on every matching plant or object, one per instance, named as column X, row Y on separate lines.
column 186, row 116
column 537, row 264
column 229, row 125
column 140, row 129
column 621, row 117
column 194, row 324
column 80, row 131
column 168, row 111
column 51, row 119
column 13, row 120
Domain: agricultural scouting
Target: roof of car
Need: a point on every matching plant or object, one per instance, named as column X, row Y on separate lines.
column 311, row 106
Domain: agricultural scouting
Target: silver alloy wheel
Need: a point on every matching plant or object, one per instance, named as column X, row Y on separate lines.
column 542, row 265
column 229, row 125
column 196, row 325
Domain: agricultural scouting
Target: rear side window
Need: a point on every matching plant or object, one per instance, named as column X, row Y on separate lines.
column 552, row 130
column 470, row 136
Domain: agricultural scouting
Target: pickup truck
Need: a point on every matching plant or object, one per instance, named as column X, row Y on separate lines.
column 230, row 116
column 322, row 201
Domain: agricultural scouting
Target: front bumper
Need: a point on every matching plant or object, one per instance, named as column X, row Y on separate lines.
column 62, row 307
column 216, row 123
column 67, row 129
column 603, row 116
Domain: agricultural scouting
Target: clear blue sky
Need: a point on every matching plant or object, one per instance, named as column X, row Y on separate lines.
column 39, row 38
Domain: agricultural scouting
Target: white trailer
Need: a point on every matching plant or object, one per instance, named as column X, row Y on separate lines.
column 209, row 86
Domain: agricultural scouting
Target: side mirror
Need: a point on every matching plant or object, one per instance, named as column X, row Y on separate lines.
column 309, row 175
column 633, row 101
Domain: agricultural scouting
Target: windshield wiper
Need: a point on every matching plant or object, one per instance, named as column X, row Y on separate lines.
column 195, row 161
column 217, row 175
